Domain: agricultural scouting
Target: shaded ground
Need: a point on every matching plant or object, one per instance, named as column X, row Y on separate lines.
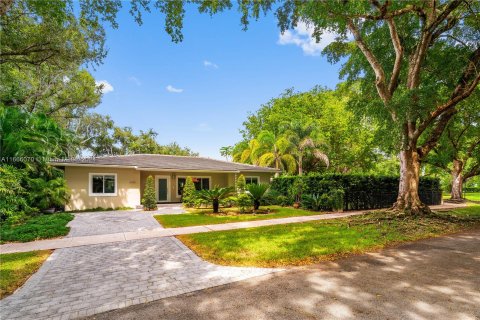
column 431, row 279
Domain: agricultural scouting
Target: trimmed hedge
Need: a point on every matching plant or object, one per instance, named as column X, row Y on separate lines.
column 471, row 189
column 361, row 191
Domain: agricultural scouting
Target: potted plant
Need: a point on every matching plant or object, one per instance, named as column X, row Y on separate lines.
column 296, row 191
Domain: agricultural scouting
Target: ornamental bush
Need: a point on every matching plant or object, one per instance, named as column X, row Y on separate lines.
column 361, row 192
column 244, row 202
column 241, row 184
column 149, row 200
column 189, row 193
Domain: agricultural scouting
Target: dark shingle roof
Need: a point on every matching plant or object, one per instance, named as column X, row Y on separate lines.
column 165, row 162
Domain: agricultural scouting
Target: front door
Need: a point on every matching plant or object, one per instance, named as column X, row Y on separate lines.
column 162, row 189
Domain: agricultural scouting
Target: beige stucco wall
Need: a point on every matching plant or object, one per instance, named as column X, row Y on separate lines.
column 220, row 179
column 128, row 188
column 131, row 183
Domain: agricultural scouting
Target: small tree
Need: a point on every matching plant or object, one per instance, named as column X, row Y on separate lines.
column 257, row 192
column 241, row 183
column 215, row 195
column 188, row 193
column 149, row 201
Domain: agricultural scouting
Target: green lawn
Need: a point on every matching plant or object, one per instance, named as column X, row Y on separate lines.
column 16, row 268
column 197, row 217
column 39, row 227
column 305, row 243
column 475, row 196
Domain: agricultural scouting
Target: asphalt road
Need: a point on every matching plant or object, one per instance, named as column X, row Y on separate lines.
column 432, row 279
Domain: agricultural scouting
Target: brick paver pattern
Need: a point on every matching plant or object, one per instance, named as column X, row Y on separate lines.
column 81, row 281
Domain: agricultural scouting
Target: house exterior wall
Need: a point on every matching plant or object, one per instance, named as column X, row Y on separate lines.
column 220, row 179
column 131, row 184
column 128, row 188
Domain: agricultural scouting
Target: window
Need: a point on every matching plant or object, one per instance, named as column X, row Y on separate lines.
column 252, row 180
column 103, row 184
column 200, row 183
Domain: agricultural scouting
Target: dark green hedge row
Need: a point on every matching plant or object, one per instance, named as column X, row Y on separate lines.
column 471, row 189
column 361, row 191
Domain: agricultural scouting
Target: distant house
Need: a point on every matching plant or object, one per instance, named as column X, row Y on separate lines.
column 118, row 181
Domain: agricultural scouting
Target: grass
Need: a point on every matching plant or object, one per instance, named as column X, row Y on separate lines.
column 197, row 217
column 40, row 227
column 306, row 243
column 16, row 268
column 475, row 196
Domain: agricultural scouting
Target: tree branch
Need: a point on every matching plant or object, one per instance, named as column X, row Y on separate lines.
column 466, row 84
column 372, row 60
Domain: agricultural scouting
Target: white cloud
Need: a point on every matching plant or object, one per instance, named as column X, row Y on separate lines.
column 203, row 127
column 209, row 64
column 106, row 86
column 135, row 80
column 301, row 36
column 171, row 88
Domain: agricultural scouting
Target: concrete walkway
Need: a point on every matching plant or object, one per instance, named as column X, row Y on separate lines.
column 435, row 279
column 158, row 232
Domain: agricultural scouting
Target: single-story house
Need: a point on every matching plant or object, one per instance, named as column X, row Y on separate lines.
column 119, row 181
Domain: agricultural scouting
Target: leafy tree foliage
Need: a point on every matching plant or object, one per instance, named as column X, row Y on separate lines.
column 458, row 151
column 313, row 125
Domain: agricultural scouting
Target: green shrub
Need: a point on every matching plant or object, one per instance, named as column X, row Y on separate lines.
column 296, row 189
column 270, row 198
column 215, row 195
column 283, row 201
column 336, row 199
column 45, row 194
column 189, row 193
column 244, row 202
column 317, row 202
column 241, row 184
column 149, row 200
column 13, row 203
column 257, row 192
column 361, row 192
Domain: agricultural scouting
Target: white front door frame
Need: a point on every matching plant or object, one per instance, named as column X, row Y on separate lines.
column 168, row 187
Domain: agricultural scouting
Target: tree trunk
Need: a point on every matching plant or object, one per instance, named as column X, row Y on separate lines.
column 300, row 165
column 408, row 199
column 215, row 205
column 256, row 204
column 457, row 180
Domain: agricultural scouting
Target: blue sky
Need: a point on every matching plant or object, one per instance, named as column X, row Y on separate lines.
column 198, row 92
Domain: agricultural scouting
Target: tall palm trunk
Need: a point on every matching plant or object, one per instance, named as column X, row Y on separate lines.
column 300, row 164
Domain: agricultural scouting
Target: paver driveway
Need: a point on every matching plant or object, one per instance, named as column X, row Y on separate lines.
column 80, row 281
column 96, row 223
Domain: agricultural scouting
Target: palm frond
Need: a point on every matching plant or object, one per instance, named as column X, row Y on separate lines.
column 289, row 163
column 322, row 156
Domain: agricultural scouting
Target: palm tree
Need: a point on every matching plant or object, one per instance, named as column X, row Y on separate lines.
column 226, row 152
column 215, row 195
column 271, row 150
column 305, row 136
column 257, row 192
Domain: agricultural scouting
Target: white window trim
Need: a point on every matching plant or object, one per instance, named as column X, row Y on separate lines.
column 258, row 178
column 90, row 185
column 168, row 187
column 176, row 184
